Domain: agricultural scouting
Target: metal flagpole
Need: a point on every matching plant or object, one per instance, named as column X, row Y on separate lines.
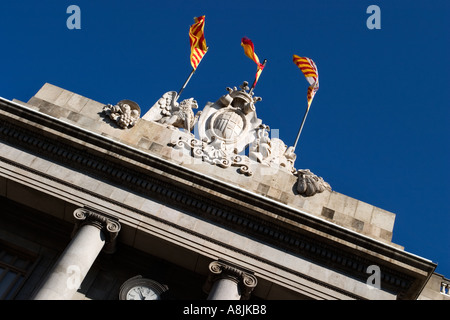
column 186, row 82
column 301, row 127
column 254, row 81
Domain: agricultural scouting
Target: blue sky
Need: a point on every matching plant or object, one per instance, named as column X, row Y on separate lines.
column 378, row 128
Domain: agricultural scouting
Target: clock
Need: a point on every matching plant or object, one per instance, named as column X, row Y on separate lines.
column 139, row 288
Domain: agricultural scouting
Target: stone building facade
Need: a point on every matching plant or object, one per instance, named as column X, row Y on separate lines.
column 100, row 202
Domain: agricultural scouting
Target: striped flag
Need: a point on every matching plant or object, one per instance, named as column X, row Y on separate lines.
column 309, row 69
column 249, row 50
column 197, row 41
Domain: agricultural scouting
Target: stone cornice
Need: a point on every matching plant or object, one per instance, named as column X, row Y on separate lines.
column 263, row 219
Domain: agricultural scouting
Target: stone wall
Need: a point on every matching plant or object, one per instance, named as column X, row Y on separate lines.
column 437, row 288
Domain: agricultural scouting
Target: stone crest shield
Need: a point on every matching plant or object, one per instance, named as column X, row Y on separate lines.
column 231, row 121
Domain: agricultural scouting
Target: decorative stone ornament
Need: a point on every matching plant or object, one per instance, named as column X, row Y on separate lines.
column 214, row 154
column 242, row 279
column 309, row 184
column 108, row 225
column 226, row 128
column 168, row 111
column 272, row 152
column 125, row 113
column 230, row 122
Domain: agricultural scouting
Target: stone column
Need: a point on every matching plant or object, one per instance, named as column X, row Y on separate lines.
column 228, row 282
column 91, row 233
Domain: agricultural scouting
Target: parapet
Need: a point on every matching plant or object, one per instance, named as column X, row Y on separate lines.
column 224, row 141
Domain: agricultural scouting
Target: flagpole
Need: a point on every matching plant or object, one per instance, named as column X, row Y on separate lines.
column 301, row 127
column 254, row 81
column 186, row 82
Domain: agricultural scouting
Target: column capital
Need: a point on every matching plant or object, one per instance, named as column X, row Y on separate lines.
column 109, row 225
column 224, row 270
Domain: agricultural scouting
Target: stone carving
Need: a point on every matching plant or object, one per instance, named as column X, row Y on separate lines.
column 225, row 129
column 168, row 111
column 213, row 154
column 101, row 221
column 231, row 121
column 309, row 184
column 125, row 113
column 220, row 270
column 271, row 152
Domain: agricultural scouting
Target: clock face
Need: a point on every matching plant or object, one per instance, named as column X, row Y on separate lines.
column 142, row 293
column 139, row 288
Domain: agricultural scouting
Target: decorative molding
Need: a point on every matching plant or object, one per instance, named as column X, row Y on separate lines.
column 216, row 156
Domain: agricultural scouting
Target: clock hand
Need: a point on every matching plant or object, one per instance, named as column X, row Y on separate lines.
column 140, row 294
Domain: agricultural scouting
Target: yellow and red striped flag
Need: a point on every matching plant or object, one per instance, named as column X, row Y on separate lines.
column 309, row 69
column 197, row 41
column 249, row 50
